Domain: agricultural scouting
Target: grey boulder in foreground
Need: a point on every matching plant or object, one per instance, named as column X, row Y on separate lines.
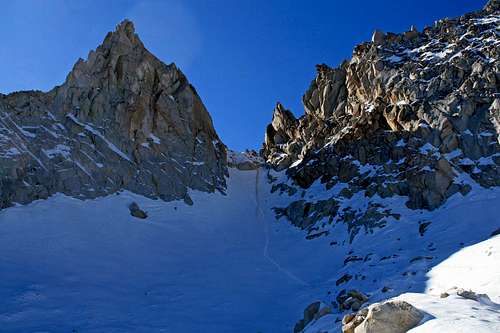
column 388, row 317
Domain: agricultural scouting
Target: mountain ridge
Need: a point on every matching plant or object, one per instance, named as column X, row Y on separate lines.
column 121, row 120
column 407, row 115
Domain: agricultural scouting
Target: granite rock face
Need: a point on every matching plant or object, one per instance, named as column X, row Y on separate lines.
column 410, row 114
column 121, row 120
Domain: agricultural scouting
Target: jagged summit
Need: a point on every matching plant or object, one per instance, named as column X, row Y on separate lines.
column 126, row 27
column 119, row 44
column 122, row 120
column 411, row 114
column 123, row 40
column 124, row 33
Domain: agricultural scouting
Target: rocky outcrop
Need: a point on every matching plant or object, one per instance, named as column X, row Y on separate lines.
column 388, row 317
column 411, row 114
column 351, row 300
column 121, row 120
column 312, row 312
column 245, row 161
column 467, row 294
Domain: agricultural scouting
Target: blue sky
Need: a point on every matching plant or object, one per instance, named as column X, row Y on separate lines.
column 241, row 55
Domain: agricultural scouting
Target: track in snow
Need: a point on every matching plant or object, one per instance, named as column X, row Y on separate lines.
column 260, row 218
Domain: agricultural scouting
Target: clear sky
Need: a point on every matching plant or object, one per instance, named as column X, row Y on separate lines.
column 241, row 55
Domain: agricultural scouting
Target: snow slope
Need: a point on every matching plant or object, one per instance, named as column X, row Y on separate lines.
column 476, row 268
column 217, row 266
column 398, row 259
column 226, row 264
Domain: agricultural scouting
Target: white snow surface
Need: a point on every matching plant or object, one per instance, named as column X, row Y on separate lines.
column 226, row 264
column 220, row 265
column 476, row 268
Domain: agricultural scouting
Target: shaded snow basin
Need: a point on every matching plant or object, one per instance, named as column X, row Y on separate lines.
column 220, row 265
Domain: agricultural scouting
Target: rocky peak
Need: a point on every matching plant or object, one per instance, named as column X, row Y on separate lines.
column 122, row 120
column 123, row 42
column 127, row 29
column 410, row 114
column 122, row 38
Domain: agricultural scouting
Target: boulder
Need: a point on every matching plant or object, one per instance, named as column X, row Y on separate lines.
column 312, row 312
column 469, row 294
column 351, row 300
column 389, row 317
column 135, row 211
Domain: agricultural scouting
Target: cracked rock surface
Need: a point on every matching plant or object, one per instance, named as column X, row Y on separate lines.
column 122, row 120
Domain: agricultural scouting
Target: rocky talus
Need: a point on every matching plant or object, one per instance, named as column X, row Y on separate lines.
column 411, row 114
column 121, row 120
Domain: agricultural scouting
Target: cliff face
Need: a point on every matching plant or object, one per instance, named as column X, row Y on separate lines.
column 410, row 114
column 121, row 120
